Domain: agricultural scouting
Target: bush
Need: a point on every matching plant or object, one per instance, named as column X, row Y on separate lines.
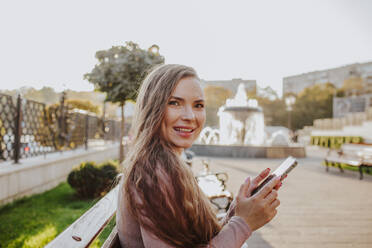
column 91, row 180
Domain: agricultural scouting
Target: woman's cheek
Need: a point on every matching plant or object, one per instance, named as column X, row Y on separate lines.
column 202, row 118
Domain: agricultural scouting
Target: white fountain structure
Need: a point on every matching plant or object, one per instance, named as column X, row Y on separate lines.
column 241, row 123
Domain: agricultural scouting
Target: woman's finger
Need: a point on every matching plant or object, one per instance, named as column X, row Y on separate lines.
column 247, row 186
column 258, row 179
column 277, row 187
column 275, row 204
column 268, row 187
column 244, row 188
column 271, row 197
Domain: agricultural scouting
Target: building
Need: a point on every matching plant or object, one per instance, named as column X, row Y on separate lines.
column 232, row 85
column 343, row 106
column 337, row 76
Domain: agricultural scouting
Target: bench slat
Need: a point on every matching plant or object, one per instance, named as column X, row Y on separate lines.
column 345, row 161
column 113, row 240
column 85, row 229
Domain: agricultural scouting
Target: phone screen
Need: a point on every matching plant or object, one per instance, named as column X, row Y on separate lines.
column 281, row 171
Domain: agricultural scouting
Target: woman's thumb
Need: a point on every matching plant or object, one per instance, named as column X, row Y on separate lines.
column 243, row 188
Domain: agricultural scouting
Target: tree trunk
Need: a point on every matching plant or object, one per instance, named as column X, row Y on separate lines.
column 121, row 147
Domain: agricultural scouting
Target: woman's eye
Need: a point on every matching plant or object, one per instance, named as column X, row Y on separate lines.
column 175, row 103
column 199, row 105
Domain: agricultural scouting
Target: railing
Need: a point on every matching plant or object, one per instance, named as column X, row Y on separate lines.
column 29, row 128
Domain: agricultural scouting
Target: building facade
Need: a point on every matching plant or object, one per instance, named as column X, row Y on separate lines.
column 337, row 76
column 354, row 104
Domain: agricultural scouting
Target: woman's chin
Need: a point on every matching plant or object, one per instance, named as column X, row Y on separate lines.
column 182, row 145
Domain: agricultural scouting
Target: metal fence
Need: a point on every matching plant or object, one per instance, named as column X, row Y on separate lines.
column 29, row 128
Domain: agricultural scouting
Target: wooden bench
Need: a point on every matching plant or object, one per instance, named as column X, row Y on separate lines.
column 214, row 186
column 84, row 230
column 355, row 155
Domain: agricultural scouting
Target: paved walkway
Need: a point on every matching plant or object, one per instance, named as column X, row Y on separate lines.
column 318, row 209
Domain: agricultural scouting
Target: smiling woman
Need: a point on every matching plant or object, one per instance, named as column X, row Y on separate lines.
column 160, row 203
column 184, row 114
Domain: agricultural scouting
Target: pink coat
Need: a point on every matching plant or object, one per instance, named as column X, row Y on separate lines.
column 234, row 233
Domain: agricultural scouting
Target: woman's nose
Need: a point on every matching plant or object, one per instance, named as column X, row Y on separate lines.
column 188, row 114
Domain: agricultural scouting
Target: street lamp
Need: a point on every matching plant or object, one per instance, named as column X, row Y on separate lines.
column 289, row 101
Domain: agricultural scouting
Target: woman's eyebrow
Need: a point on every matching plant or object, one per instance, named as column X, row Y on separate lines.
column 177, row 98
column 181, row 99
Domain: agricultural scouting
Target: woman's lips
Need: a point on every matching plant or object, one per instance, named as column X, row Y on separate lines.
column 184, row 132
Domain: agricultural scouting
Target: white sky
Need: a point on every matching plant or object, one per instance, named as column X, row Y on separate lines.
column 53, row 43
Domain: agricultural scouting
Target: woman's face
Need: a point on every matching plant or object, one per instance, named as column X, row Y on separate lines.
column 184, row 114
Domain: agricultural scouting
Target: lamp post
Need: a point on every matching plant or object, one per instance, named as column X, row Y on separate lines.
column 289, row 101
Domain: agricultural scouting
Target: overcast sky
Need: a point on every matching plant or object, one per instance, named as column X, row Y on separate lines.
column 53, row 43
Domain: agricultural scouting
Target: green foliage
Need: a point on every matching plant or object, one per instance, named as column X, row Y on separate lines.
column 121, row 69
column 45, row 95
column 84, row 105
column 273, row 110
column 91, row 180
column 35, row 221
column 315, row 102
column 353, row 85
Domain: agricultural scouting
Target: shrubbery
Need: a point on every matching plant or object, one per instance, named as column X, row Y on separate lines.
column 91, row 180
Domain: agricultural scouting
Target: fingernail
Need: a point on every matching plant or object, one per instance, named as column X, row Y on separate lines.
column 247, row 179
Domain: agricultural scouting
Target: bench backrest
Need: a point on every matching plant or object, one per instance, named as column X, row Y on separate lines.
column 361, row 151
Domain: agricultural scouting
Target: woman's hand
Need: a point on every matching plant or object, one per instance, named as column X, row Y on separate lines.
column 260, row 208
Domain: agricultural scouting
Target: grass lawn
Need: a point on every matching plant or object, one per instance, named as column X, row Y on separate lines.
column 35, row 221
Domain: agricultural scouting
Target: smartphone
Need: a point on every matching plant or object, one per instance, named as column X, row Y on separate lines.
column 281, row 171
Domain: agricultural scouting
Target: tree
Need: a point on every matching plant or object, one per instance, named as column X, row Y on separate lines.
column 119, row 73
column 45, row 95
column 353, row 85
column 215, row 97
column 273, row 108
column 315, row 102
column 84, row 105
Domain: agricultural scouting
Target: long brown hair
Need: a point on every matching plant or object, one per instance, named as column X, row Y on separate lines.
column 162, row 192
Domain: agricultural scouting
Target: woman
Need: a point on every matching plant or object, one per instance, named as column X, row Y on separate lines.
column 160, row 203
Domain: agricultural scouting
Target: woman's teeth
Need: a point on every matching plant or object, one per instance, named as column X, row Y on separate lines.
column 183, row 129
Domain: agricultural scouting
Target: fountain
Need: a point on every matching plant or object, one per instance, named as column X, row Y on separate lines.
column 241, row 121
column 242, row 133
